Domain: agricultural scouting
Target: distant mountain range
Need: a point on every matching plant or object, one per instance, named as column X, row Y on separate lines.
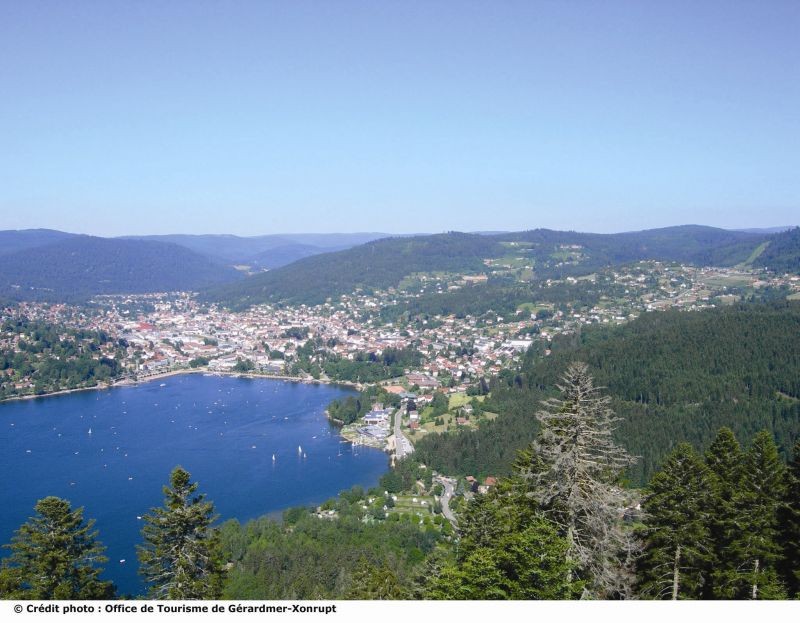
column 76, row 267
column 265, row 252
column 46, row 264
column 557, row 254
column 767, row 230
column 377, row 264
column 13, row 240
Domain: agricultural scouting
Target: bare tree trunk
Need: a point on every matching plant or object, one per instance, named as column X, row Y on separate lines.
column 676, row 573
column 755, row 581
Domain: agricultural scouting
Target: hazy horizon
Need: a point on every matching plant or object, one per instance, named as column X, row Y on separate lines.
column 355, row 232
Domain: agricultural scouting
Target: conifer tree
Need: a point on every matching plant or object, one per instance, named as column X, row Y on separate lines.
column 527, row 562
column 724, row 459
column 575, row 482
column 55, row 556
column 678, row 549
column 754, row 551
column 371, row 581
column 181, row 557
column 481, row 523
column 790, row 526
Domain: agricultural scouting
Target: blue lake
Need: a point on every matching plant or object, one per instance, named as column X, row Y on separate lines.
column 223, row 430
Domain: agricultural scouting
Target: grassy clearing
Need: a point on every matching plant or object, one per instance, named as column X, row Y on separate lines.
column 417, row 504
column 727, row 281
column 458, row 400
column 756, row 252
column 533, row 308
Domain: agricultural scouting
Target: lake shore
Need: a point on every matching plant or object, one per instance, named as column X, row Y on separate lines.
column 223, row 430
column 163, row 375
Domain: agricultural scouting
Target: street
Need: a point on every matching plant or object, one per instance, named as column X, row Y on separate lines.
column 402, row 445
column 449, row 488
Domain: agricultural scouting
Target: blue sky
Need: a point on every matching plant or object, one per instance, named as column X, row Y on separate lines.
column 258, row 117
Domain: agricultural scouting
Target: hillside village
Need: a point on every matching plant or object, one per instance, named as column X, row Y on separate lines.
column 163, row 333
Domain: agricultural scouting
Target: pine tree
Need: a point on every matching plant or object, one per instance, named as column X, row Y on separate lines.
column 481, row 523
column 751, row 572
column 55, row 556
column 678, row 549
column 724, row 459
column 790, row 526
column 475, row 577
column 371, row 581
column 181, row 557
column 529, row 562
column 576, row 482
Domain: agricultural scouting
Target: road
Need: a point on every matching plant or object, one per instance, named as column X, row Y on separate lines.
column 402, row 446
column 449, row 487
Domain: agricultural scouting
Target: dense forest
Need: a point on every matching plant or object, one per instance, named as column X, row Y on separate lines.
column 306, row 557
column 721, row 526
column 378, row 264
column 782, row 253
column 78, row 267
column 13, row 240
column 673, row 376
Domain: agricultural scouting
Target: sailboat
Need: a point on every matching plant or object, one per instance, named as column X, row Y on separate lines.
column 273, row 458
column 299, row 450
column 90, row 430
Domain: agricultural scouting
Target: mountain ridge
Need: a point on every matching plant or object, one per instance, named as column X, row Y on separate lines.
column 80, row 266
column 553, row 254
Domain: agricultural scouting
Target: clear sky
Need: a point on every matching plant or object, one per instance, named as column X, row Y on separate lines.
column 259, row 117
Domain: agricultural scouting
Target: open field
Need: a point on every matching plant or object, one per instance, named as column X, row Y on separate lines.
column 728, row 281
column 417, row 505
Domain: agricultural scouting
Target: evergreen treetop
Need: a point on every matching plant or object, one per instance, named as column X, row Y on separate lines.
column 181, row 557
column 55, row 555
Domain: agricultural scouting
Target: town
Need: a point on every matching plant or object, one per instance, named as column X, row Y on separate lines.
column 437, row 360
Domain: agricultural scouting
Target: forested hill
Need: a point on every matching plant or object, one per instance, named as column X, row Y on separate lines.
column 782, row 254
column 673, row 376
column 13, row 240
column 692, row 244
column 384, row 263
column 378, row 264
column 80, row 266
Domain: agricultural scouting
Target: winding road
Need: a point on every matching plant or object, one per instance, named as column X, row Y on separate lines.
column 449, row 488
